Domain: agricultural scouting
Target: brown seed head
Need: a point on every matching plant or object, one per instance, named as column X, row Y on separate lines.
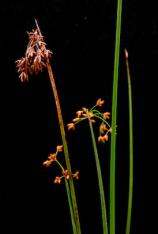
column 36, row 56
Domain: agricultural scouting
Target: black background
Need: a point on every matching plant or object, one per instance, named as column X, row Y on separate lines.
column 81, row 35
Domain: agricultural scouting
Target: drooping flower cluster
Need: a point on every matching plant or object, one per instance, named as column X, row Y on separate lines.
column 64, row 172
column 93, row 114
column 35, row 58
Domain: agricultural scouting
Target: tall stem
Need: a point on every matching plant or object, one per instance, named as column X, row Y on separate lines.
column 114, row 116
column 65, row 147
column 130, row 192
column 69, row 185
column 100, row 182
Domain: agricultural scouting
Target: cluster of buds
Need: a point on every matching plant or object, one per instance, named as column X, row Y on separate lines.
column 36, row 56
column 53, row 157
column 64, row 172
column 66, row 175
column 93, row 114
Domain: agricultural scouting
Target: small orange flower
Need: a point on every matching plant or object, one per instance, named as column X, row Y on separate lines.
column 79, row 113
column 84, row 109
column 71, row 126
column 102, row 128
column 76, row 119
column 66, row 174
column 106, row 137
column 101, row 139
column 59, row 148
column 76, row 175
column 52, row 157
column 47, row 163
column 57, row 180
column 100, row 102
column 106, row 115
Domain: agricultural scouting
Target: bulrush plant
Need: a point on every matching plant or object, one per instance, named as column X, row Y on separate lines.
column 36, row 59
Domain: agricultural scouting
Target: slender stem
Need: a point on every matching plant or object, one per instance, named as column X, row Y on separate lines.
column 100, row 182
column 71, row 208
column 114, row 116
column 65, row 147
column 130, row 192
column 62, row 168
column 103, row 120
column 69, row 200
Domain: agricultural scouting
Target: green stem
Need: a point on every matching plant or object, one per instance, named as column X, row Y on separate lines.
column 62, row 168
column 130, row 192
column 114, row 116
column 69, row 200
column 71, row 208
column 100, row 182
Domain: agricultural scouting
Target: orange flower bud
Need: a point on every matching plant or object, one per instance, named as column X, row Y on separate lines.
column 52, row 157
column 57, row 180
column 100, row 102
column 79, row 113
column 106, row 115
column 101, row 139
column 59, row 148
column 106, row 137
column 47, row 163
column 76, row 175
column 102, row 128
column 76, row 119
column 71, row 126
column 66, row 174
column 84, row 109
